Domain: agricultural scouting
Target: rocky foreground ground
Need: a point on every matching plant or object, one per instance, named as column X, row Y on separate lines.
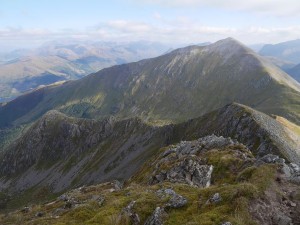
column 212, row 180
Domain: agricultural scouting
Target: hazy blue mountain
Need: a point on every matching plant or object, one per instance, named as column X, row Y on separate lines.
column 284, row 65
column 287, row 51
column 24, row 70
column 295, row 72
column 256, row 47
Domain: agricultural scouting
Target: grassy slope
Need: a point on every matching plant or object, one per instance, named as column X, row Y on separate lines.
column 293, row 127
column 183, row 84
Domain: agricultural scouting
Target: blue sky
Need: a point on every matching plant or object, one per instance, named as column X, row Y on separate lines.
column 25, row 23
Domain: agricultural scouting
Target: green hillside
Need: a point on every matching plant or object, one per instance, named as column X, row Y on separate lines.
column 174, row 87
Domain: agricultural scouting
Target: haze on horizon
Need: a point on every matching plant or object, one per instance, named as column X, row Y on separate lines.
column 25, row 24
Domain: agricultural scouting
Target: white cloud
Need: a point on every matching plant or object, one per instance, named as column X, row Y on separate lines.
column 129, row 26
column 181, row 30
column 275, row 7
column 156, row 15
column 184, row 30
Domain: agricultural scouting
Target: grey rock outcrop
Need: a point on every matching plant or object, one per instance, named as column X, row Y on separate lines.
column 282, row 219
column 176, row 200
column 185, row 166
column 295, row 168
column 156, row 218
column 216, row 198
column 270, row 158
column 63, row 197
column 118, row 185
column 128, row 211
column 294, row 171
column 39, row 214
column 191, row 170
column 26, row 209
column 290, row 171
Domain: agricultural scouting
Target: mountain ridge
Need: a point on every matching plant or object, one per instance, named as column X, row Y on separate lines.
column 63, row 152
column 145, row 88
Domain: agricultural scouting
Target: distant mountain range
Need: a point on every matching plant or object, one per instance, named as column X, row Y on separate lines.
column 57, row 61
column 288, row 51
column 24, row 70
column 295, row 72
column 286, row 55
column 182, row 84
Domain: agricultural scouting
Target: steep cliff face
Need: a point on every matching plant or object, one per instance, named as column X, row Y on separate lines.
column 62, row 152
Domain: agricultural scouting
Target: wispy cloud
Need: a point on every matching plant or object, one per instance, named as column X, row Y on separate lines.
column 274, row 7
column 177, row 31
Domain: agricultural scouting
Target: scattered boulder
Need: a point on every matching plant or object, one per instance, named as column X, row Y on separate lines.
column 118, row 185
column 270, row 158
column 26, row 209
column 69, row 200
column 294, row 168
column 63, row 197
column 285, row 170
column 58, row 212
column 226, row 223
column 291, row 172
column 68, row 205
column 176, row 200
column 291, row 204
column 281, row 219
column 156, row 218
column 39, row 214
column 165, row 192
column 128, row 211
column 100, row 199
column 216, row 198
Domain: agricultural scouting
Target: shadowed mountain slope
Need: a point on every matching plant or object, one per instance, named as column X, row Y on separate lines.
column 62, row 152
